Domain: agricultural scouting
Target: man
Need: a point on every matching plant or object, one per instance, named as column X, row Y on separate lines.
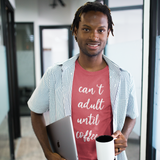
column 98, row 94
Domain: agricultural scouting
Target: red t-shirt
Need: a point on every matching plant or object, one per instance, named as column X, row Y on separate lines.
column 91, row 109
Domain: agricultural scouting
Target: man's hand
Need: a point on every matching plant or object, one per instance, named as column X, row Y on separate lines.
column 120, row 142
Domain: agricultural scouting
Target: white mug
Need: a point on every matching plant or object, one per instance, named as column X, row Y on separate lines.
column 105, row 147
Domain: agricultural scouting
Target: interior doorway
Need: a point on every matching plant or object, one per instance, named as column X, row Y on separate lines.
column 56, row 45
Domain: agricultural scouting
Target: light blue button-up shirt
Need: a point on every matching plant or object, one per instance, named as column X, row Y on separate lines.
column 54, row 92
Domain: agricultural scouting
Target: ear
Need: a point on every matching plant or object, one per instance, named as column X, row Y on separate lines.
column 75, row 33
column 108, row 33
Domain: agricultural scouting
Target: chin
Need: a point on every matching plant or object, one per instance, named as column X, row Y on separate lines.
column 92, row 55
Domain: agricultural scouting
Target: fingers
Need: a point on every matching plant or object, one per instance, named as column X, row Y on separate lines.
column 118, row 151
column 116, row 134
column 120, row 142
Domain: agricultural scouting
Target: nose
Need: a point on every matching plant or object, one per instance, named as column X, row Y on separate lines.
column 94, row 36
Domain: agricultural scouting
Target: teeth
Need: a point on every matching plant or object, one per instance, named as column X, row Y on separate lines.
column 93, row 45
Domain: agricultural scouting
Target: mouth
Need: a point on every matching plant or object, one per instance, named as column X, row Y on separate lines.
column 93, row 46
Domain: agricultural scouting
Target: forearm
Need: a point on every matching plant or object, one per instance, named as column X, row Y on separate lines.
column 128, row 126
column 39, row 128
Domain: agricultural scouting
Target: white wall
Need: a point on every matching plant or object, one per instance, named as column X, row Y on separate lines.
column 26, row 11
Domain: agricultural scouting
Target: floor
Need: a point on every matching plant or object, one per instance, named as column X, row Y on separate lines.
column 133, row 148
column 27, row 147
column 4, row 140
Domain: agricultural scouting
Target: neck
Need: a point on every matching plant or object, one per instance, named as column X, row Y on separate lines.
column 92, row 64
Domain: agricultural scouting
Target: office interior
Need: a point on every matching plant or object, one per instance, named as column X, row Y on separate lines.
column 35, row 34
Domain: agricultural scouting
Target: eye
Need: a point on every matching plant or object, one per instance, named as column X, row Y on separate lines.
column 86, row 29
column 101, row 30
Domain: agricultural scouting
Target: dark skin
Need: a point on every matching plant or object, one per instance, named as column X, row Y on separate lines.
column 92, row 36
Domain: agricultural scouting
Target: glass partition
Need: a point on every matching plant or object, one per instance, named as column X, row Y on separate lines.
column 4, row 100
column 4, row 107
column 25, row 64
column 156, row 117
column 4, row 94
column 127, row 26
column 123, row 3
column 125, row 49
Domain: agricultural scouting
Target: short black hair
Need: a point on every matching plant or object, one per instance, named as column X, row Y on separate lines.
column 92, row 6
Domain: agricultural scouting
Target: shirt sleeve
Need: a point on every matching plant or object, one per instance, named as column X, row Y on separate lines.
column 132, row 109
column 39, row 101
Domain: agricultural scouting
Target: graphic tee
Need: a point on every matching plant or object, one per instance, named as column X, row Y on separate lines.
column 91, row 109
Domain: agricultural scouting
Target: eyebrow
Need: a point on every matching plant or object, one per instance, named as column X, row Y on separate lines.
column 84, row 25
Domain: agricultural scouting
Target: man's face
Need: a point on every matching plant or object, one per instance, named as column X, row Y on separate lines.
column 92, row 33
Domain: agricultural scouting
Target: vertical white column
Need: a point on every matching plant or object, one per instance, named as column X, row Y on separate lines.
column 145, row 79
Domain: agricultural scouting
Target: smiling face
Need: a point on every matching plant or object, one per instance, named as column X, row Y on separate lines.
column 92, row 34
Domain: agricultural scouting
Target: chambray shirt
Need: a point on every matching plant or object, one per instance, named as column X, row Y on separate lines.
column 54, row 92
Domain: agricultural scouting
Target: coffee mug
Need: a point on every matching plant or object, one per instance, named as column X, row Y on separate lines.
column 105, row 147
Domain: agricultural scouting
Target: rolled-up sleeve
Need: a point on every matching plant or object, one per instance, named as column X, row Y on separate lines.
column 39, row 101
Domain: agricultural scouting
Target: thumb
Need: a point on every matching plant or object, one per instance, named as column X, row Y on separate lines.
column 116, row 134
